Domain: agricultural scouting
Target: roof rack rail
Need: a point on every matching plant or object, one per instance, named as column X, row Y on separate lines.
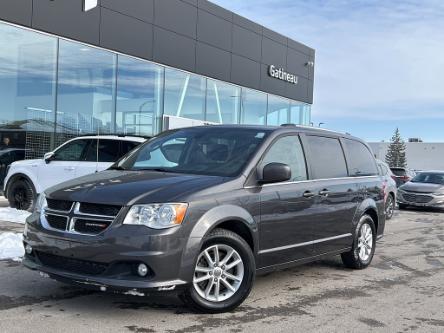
column 120, row 135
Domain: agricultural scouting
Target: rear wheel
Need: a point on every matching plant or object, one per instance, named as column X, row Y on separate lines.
column 390, row 207
column 21, row 195
column 223, row 275
column 364, row 244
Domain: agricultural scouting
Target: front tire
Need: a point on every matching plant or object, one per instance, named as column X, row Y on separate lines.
column 224, row 273
column 364, row 244
column 21, row 195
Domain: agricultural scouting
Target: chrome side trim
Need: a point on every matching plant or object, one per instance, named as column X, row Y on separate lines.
column 287, row 247
column 311, row 181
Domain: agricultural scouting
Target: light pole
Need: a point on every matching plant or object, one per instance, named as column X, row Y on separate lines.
column 320, row 124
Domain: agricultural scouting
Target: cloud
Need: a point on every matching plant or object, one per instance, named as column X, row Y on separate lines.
column 374, row 59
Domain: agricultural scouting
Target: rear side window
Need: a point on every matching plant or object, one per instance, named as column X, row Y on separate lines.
column 361, row 162
column 127, row 146
column 327, row 158
column 288, row 150
column 108, row 151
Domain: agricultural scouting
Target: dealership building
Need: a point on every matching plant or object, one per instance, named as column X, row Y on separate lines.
column 138, row 67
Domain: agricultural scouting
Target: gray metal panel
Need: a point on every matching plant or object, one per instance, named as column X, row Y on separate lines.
column 174, row 50
column 215, row 9
column 300, row 47
column 126, row 34
column 192, row 2
column 271, row 84
column 247, row 24
column 177, row 16
column 273, row 53
column 66, row 18
column 247, row 43
column 214, row 30
column 213, row 62
column 299, row 92
column 275, row 36
column 17, row 11
column 141, row 9
column 245, row 72
column 297, row 63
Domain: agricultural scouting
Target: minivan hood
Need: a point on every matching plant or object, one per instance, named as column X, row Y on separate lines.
column 115, row 187
column 421, row 187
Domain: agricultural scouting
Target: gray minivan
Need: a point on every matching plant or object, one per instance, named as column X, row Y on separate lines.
column 202, row 210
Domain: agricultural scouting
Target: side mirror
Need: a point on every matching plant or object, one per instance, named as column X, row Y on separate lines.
column 48, row 157
column 275, row 173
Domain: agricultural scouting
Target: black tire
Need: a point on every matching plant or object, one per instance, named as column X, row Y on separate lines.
column 390, row 206
column 352, row 259
column 224, row 237
column 21, row 195
column 402, row 206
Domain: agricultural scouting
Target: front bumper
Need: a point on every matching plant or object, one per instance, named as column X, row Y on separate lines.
column 420, row 199
column 108, row 261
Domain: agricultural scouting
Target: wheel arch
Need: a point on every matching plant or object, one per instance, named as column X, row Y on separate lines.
column 370, row 207
column 19, row 176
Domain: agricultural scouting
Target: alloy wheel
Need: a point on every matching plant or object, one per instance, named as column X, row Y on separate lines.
column 390, row 207
column 219, row 273
column 365, row 242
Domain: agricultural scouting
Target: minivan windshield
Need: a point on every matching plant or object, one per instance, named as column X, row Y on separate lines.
column 429, row 177
column 212, row 150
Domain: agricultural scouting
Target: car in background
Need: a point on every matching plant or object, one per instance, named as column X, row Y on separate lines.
column 8, row 156
column 402, row 175
column 426, row 189
column 75, row 158
column 390, row 188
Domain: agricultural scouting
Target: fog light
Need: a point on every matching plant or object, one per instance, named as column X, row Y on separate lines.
column 142, row 270
column 28, row 249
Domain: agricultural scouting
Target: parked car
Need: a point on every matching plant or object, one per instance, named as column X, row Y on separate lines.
column 8, row 156
column 390, row 188
column 403, row 175
column 201, row 210
column 426, row 189
column 75, row 158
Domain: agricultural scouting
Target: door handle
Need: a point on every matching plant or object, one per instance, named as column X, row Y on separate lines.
column 324, row 192
column 69, row 169
column 308, row 194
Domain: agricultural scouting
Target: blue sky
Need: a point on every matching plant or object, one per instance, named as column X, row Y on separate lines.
column 379, row 64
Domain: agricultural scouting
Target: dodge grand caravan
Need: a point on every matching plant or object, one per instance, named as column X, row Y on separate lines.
column 201, row 210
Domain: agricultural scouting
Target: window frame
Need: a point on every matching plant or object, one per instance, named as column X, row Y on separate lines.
column 82, row 155
column 257, row 170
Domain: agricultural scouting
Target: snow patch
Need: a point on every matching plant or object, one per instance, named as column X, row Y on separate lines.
column 13, row 215
column 11, row 246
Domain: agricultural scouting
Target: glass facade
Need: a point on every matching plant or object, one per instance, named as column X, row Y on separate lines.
column 52, row 89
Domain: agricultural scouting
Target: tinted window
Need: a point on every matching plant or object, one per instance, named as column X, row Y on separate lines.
column 327, row 158
column 72, row 151
column 361, row 161
column 127, row 146
column 214, row 151
column 288, row 150
column 108, row 151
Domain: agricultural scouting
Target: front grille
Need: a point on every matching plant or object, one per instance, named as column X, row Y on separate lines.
column 97, row 209
column 57, row 222
column 90, row 227
column 60, row 205
column 417, row 198
column 72, row 265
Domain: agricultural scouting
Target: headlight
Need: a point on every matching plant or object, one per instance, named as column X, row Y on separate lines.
column 41, row 203
column 157, row 216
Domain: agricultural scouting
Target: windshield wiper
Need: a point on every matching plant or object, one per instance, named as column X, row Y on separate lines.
column 116, row 167
column 154, row 169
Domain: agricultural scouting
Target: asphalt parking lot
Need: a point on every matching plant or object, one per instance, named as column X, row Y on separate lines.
column 402, row 291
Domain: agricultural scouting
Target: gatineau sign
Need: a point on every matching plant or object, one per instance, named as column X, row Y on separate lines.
column 281, row 74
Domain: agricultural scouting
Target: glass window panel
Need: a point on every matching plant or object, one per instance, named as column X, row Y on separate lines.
column 139, row 97
column 360, row 160
column 327, row 158
column 254, row 107
column 72, row 151
column 27, row 88
column 184, row 94
column 300, row 113
column 85, row 90
column 222, row 102
column 278, row 109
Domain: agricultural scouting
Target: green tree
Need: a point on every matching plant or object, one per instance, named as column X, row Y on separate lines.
column 396, row 152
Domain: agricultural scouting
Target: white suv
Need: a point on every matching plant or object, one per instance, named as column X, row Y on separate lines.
column 75, row 158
